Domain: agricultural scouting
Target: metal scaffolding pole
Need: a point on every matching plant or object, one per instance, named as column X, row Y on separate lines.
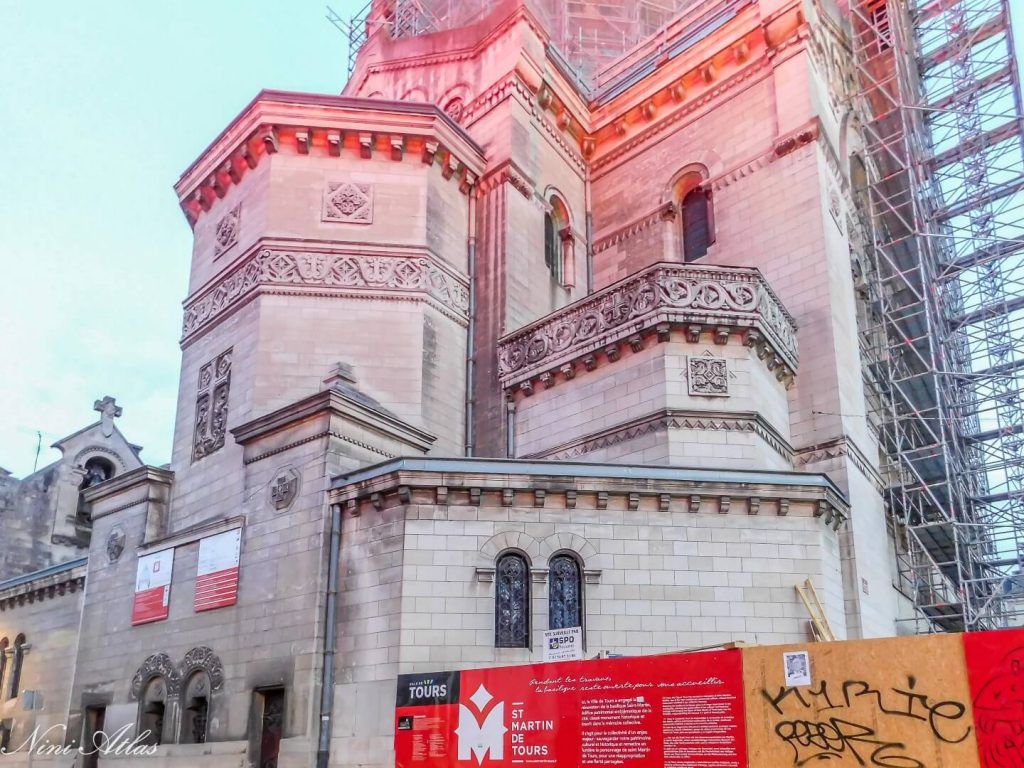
column 940, row 115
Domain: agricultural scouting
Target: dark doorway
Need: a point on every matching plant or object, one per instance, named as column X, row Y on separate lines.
column 268, row 704
column 92, row 736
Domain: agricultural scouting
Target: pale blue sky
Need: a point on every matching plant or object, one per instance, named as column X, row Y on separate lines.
column 103, row 105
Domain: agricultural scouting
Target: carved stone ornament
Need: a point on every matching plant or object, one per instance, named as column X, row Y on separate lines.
column 707, row 376
column 115, row 545
column 348, row 202
column 157, row 665
column 201, row 659
column 454, row 109
column 226, row 234
column 212, row 406
column 413, row 274
column 284, row 488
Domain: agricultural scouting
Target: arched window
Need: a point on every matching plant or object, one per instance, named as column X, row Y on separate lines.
column 696, row 218
column 565, row 593
column 152, row 704
column 17, row 660
column 557, row 235
column 195, row 712
column 4, row 645
column 512, row 602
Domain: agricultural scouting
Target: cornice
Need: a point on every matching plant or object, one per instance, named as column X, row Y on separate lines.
column 329, row 126
column 666, row 419
column 842, row 447
column 144, row 475
column 66, row 578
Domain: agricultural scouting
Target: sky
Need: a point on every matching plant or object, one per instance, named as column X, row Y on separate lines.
column 103, row 105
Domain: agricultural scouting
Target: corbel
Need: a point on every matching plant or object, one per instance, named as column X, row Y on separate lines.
column 695, row 503
column 397, row 147
column 724, row 503
column 207, row 197
column 302, row 141
column 664, row 331
column 602, row 499
column 544, row 97
column 539, row 497
column 588, row 146
column 404, row 494
column 508, row 497
column 334, row 143
column 219, row 183
column 783, row 507
column 467, row 182
column 526, row 388
column 633, row 501
column 693, row 333
column 366, row 145
column 569, row 371
column 268, row 136
column 753, row 339
column 451, row 165
column 741, row 51
column 248, row 156
column 678, row 90
column 191, row 208
column 377, row 500
column 590, row 362
column 429, row 152
column 547, row 380
column 352, row 507
column 612, row 352
column 649, row 109
column 229, row 172
column 754, row 505
column 621, row 126
column 441, row 494
column 636, row 342
column 563, row 119
column 664, row 500
column 722, row 335
column 474, row 497
column 708, row 72
column 570, row 499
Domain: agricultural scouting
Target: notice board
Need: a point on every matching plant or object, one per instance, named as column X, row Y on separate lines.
column 669, row 711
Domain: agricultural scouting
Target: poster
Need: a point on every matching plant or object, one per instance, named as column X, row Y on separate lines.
column 217, row 578
column 153, row 587
column 670, row 711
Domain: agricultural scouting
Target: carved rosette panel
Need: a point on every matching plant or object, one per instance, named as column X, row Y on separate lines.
column 212, row 406
column 115, row 545
column 226, row 234
column 414, row 274
column 710, row 295
column 348, row 203
column 707, row 376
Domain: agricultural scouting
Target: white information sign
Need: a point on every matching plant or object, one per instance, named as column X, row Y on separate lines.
column 563, row 644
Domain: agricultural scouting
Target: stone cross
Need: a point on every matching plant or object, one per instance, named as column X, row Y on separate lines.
column 109, row 410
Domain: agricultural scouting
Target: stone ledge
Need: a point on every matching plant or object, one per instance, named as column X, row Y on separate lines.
column 697, row 299
column 43, row 584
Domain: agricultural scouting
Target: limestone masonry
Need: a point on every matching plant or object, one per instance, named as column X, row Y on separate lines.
column 504, row 338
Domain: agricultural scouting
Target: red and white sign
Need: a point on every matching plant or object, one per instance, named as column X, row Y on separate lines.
column 217, row 580
column 153, row 587
column 671, row 711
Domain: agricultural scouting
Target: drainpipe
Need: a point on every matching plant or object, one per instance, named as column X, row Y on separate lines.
column 471, row 331
column 510, row 428
column 323, row 754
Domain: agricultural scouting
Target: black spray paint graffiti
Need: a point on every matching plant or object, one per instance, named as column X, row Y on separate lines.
column 832, row 730
column 999, row 712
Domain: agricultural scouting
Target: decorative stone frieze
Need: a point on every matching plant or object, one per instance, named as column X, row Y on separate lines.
column 347, row 202
column 719, row 299
column 274, row 268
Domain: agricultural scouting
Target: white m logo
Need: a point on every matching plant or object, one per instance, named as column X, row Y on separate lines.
column 481, row 739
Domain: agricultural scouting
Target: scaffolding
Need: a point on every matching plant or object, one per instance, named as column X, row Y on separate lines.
column 938, row 103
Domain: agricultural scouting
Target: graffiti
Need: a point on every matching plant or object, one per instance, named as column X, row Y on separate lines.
column 999, row 713
column 832, row 729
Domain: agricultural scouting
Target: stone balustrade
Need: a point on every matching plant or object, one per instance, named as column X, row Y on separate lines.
column 696, row 299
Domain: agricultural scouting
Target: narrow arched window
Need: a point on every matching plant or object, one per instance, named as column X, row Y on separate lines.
column 17, row 660
column 195, row 712
column 696, row 216
column 152, row 705
column 557, row 233
column 565, row 593
column 512, row 602
column 552, row 247
column 4, row 645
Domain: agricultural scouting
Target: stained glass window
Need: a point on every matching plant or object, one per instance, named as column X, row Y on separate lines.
column 512, row 602
column 565, row 593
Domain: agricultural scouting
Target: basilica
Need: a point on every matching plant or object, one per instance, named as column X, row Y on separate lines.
column 549, row 320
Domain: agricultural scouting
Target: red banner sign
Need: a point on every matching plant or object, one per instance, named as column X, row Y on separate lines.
column 153, row 587
column 217, row 577
column 671, row 711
